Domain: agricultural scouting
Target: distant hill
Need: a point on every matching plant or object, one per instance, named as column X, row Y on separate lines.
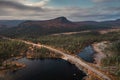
column 57, row 25
column 113, row 23
column 10, row 23
column 3, row 27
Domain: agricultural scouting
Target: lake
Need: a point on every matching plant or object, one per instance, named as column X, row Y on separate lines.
column 46, row 69
column 87, row 54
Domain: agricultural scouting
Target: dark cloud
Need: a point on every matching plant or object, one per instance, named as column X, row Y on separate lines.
column 97, row 13
column 13, row 9
column 17, row 6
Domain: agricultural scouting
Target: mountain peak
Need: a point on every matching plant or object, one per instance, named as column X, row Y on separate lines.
column 62, row 19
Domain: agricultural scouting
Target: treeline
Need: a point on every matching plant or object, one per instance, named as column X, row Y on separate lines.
column 10, row 49
column 75, row 42
column 42, row 53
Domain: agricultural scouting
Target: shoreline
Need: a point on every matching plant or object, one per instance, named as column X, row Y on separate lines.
column 99, row 54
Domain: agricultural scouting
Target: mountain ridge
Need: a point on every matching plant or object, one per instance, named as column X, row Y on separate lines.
column 57, row 25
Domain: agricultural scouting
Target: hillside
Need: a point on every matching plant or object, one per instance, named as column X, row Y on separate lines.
column 57, row 25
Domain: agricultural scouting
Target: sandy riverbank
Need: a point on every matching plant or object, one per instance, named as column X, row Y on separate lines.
column 99, row 49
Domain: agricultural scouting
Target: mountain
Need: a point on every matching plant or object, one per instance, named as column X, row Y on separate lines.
column 57, row 25
column 57, row 22
column 112, row 23
column 60, row 20
column 10, row 23
column 3, row 27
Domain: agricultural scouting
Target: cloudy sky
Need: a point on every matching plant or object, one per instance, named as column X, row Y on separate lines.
column 75, row 10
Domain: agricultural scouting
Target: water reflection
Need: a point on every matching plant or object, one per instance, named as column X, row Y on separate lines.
column 46, row 69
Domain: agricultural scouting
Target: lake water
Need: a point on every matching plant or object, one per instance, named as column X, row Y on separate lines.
column 46, row 69
column 87, row 54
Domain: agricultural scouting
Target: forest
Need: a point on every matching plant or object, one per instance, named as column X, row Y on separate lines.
column 75, row 42
column 113, row 58
column 11, row 49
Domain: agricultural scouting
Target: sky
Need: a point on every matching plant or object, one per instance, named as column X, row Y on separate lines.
column 74, row 10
